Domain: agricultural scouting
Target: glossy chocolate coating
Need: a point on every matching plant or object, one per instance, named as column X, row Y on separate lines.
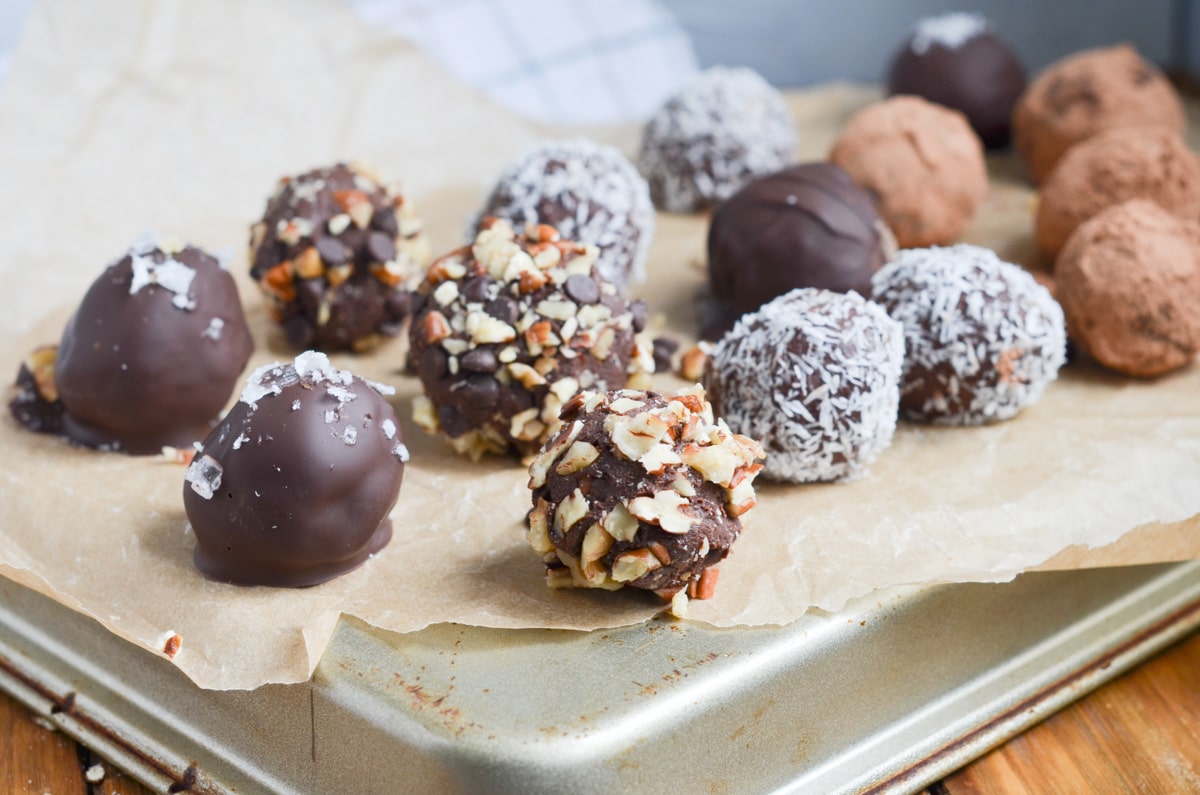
column 300, row 499
column 981, row 77
column 805, row 226
column 139, row 370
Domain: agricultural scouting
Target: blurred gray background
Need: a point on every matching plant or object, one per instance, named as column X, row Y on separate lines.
column 797, row 42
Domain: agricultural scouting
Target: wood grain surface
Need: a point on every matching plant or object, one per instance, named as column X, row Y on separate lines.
column 1138, row 734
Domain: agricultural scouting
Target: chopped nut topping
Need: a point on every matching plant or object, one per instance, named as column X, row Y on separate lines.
column 634, row 564
column 620, row 523
column 693, row 362
column 570, row 511
column 580, row 455
column 339, row 275
column 538, row 534
column 664, row 509
column 446, row 292
column 483, row 329
column 41, row 364
column 526, row 375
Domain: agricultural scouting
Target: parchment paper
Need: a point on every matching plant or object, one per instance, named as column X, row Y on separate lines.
column 180, row 116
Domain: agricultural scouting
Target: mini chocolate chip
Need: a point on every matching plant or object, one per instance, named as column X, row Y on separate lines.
column 331, row 250
column 453, row 422
column 480, row 360
column 476, row 289
column 582, row 289
column 385, row 221
column 381, row 247
column 433, row 362
column 481, row 390
column 503, row 308
column 638, row 309
column 664, row 349
column 309, row 293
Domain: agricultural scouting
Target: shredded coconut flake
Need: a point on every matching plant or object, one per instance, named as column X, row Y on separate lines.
column 951, row 30
column 204, row 475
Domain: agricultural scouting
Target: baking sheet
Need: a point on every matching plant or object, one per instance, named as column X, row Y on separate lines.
column 223, row 98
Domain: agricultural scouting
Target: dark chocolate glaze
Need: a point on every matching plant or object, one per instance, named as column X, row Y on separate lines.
column 806, row 226
column 136, row 372
column 340, row 297
column 297, row 504
column 982, row 78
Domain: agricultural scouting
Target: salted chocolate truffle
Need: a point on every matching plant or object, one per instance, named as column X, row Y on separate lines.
column 722, row 130
column 1084, row 94
column 149, row 359
column 815, row 376
column 957, row 60
column 1129, row 282
column 640, row 489
column 295, row 485
column 510, row 329
column 337, row 255
column 922, row 165
column 805, row 226
column 590, row 194
column 982, row 338
column 1111, row 167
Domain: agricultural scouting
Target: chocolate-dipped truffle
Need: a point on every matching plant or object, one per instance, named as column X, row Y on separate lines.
column 510, row 329
column 1129, row 282
column 337, row 255
column 921, row 163
column 805, row 226
column 1114, row 166
column 149, row 358
column 815, row 376
column 720, row 131
column 295, row 485
column 1085, row 93
column 982, row 338
column 640, row 489
column 958, row 61
column 590, row 194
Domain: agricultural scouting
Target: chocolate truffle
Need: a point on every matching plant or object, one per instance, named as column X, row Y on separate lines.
column 1085, row 93
column 640, row 489
column 815, row 376
column 590, row 194
column 149, row 358
column 982, row 337
column 510, row 329
column 295, row 485
column 922, row 165
column 958, row 61
column 720, row 131
column 1129, row 282
column 805, row 226
column 337, row 254
column 1109, row 168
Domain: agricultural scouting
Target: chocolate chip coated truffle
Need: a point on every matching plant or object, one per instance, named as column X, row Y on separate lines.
column 510, row 329
column 1129, row 282
column 295, row 485
column 922, row 165
column 149, row 359
column 640, row 489
column 337, row 254
column 1085, row 93
column 590, row 194
column 805, row 226
column 957, row 60
column 815, row 376
column 1111, row 167
column 720, row 131
column 982, row 338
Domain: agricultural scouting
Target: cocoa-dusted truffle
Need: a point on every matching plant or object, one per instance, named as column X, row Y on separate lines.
column 510, row 329
column 982, row 337
column 1109, row 168
column 1129, row 282
column 337, row 255
column 590, row 194
column 921, row 163
column 805, row 226
column 149, row 359
column 295, row 485
column 720, row 131
column 815, row 376
column 1085, row 93
column 640, row 489
column 957, row 60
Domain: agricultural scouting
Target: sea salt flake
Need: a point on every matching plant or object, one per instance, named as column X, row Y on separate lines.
column 204, row 475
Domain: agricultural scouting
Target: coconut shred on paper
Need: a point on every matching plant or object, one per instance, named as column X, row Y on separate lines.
column 219, row 100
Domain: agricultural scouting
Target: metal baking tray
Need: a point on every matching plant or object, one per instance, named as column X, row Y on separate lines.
column 888, row 695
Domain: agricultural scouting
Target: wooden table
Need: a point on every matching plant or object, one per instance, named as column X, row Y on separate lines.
column 1138, row 734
